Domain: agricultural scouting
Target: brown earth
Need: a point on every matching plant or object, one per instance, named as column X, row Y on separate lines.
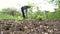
column 29, row 27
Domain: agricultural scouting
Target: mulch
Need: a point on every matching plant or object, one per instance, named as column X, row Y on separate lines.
column 30, row 27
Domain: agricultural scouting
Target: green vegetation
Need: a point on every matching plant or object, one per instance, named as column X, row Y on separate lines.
column 12, row 13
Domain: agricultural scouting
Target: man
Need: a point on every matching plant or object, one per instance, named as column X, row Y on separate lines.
column 24, row 9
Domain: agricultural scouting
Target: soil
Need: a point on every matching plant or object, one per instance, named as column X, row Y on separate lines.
column 30, row 27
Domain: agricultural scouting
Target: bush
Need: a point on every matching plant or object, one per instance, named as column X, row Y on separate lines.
column 10, row 11
column 54, row 15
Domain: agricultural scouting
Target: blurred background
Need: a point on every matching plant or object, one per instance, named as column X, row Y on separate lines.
column 40, row 9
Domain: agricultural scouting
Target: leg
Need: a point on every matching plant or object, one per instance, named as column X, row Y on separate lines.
column 23, row 13
column 26, row 13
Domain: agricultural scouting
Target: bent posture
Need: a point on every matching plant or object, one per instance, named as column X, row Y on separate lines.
column 24, row 9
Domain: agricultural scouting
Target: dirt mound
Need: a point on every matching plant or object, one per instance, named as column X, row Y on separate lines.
column 29, row 27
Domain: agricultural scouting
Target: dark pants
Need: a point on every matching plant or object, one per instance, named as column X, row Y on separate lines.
column 23, row 13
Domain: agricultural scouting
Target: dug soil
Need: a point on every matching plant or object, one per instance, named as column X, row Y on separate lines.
column 30, row 27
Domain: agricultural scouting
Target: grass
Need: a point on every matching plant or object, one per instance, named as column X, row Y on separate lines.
column 6, row 16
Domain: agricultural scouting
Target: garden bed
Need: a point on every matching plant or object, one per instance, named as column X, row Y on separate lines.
column 29, row 27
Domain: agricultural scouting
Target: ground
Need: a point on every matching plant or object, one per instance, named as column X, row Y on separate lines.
column 30, row 27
